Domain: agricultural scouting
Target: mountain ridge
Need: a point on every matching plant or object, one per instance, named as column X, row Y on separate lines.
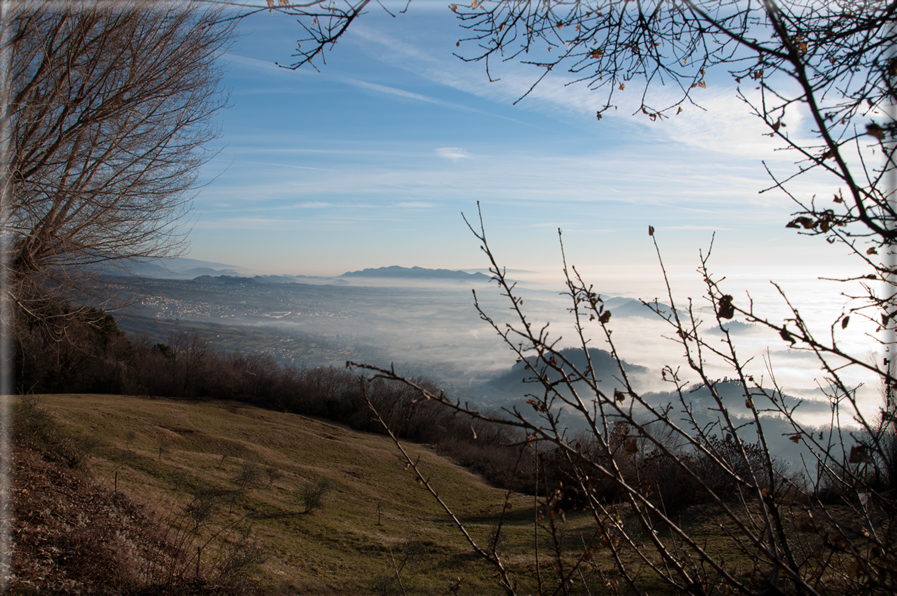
column 396, row 271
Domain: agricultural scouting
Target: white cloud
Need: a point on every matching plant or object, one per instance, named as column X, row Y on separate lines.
column 396, row 92
column 722, row 124
column 453, row 153
column 261, row 65
column 411, row 96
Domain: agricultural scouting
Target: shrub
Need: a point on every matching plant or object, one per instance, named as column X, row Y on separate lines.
column 314, row 493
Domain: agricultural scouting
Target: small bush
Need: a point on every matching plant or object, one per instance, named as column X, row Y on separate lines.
column 239, row 558
column 202, row 507
column 313, row 494
column 250, row 475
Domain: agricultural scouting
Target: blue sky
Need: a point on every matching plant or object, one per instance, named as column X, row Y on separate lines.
column 371, row 161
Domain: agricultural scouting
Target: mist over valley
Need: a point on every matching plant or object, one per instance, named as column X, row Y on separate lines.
column 425, row 323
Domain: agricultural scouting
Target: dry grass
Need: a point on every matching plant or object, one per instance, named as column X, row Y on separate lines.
column 340, row 547
column 238, row 477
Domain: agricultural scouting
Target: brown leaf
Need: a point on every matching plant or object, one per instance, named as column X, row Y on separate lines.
column 872, row 251
column 726, row 310
column 798, row 222
column 845, row 321
column 605, row 317
column 651, row 228
column 876, row 131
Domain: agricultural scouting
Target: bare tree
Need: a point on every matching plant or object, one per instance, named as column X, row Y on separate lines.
column 322, row 22
column 109, row 110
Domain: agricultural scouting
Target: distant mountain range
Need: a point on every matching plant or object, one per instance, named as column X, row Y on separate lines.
column 396, row 272
column 205, row 271
column 174, row 268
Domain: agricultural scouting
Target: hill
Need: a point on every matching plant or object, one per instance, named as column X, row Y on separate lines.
column 508, row 388
column 253, row 469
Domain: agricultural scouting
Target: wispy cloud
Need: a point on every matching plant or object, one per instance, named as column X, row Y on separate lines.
column 414, row 205
column 722, row 122
column 313, row 205
column 285, row 165
column 453, row 153
column 264, row 65
column 644, row 178
column 712, row 228
column 411, row 96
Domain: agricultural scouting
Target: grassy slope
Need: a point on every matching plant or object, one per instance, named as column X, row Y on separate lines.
column 338, row 548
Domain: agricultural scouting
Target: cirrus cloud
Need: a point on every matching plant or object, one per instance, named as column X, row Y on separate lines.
column 453, row 153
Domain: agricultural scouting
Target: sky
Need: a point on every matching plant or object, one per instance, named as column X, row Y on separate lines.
column 371, row 161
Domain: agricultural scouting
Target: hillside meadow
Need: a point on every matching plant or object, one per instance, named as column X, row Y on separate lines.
column 119, row 494
column 376, row 527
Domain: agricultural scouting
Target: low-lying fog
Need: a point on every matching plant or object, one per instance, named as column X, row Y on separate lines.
column 434, row 330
